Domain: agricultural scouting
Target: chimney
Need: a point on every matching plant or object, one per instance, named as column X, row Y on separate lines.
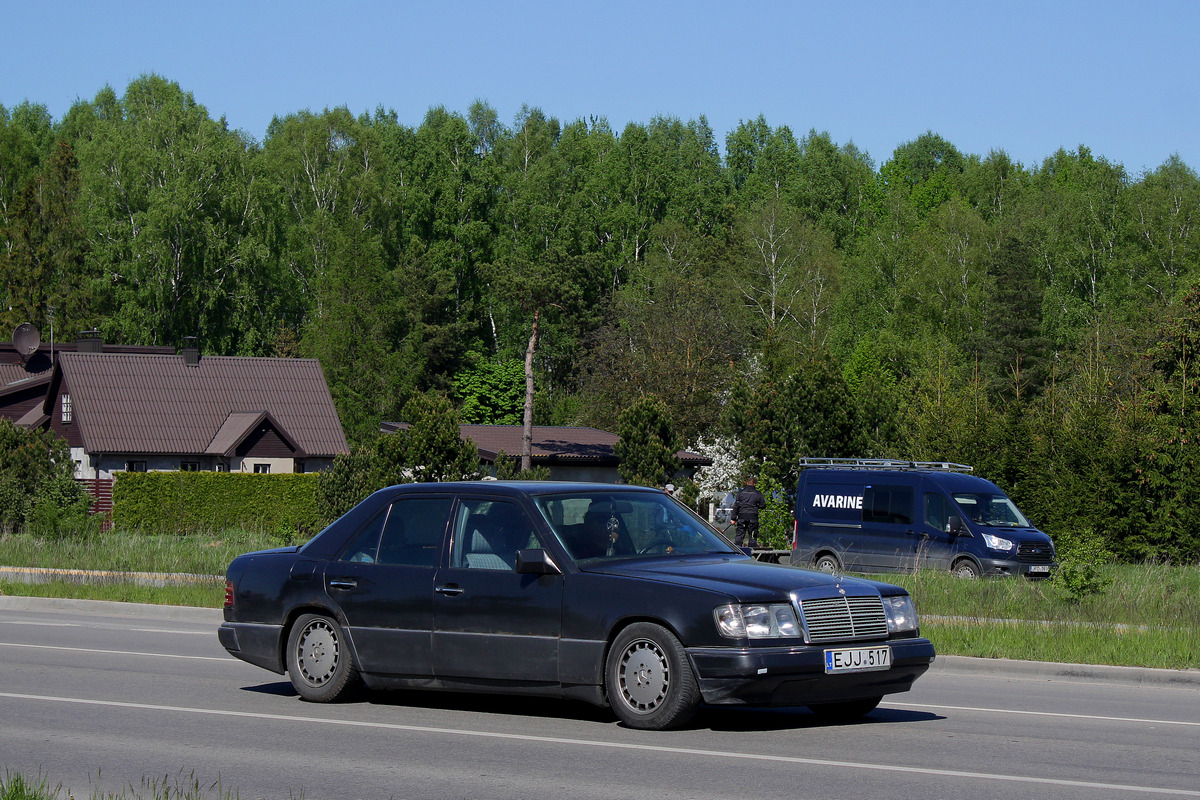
column 89, row 342
column 191, row 351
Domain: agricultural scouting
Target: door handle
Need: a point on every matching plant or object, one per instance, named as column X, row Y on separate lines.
column 450, row 590
column 342, row 583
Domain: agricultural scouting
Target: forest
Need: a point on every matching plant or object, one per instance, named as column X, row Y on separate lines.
column 782, row 295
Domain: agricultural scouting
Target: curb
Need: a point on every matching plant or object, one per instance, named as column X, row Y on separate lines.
column 47, row 574
column 1008, row 667
column 113, row 608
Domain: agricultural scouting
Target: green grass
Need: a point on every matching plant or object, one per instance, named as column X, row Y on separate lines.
column 14, row 786
column 197, row 554
column 1142, row 615
column 1145, row 615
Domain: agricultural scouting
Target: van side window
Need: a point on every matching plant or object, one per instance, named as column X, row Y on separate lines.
column 888, row 504
column 937, row 511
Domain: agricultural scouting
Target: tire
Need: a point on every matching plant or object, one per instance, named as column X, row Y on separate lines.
column 318, row 659
column 845, row 710
column 649, row 681
column 965, row 568
column 827, row 562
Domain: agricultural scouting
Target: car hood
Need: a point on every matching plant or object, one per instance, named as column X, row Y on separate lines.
column 743, row 578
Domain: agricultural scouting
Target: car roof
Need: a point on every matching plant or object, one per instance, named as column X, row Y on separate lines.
column 529, row 488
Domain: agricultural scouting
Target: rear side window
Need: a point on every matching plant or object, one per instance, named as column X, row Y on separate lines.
column 407, row 532
column 889, row 504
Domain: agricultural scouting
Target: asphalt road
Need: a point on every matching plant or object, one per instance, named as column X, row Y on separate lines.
column 100, row 697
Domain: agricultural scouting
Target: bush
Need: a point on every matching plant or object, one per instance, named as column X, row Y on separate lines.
column 1081, row 557
column 36, row 480
column 186, row 502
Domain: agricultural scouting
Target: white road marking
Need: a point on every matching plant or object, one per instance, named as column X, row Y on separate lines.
column 40, row 624
column 555, row 740
column 1044, row 714
column 117, row 652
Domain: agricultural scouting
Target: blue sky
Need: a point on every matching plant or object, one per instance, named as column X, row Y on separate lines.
column 1025, row 77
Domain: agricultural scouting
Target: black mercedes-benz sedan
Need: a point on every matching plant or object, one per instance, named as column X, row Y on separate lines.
column 617, row 595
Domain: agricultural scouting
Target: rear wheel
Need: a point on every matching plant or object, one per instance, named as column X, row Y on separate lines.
column 965, row 568
column 649, row 682
column 319, row 662
column 827, row 562
column 847, row 709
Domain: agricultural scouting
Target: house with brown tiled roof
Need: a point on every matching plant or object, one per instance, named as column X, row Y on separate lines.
column 571, row 453
column 26, row 365
column 139, row 412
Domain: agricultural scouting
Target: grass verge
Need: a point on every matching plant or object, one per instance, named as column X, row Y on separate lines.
column 1144, row 615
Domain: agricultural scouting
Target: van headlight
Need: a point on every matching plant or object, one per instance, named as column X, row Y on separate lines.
column 996, row 543
column 757, row 621
column 901, row 613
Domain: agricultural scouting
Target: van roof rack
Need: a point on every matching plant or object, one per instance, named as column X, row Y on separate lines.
column 882, row 463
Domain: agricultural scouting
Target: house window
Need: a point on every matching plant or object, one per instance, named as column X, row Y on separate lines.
column 300, row 467
column 135, row 466
column 262, row 469
column 220, row 466
column 189, row 466
column 66, row 407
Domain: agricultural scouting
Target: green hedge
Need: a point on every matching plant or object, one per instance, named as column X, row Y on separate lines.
column 184, row 502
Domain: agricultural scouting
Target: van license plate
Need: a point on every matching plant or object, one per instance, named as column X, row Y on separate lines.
column 858, row 659
column 1043, row 569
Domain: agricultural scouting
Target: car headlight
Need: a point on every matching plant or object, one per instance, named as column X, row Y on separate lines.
column 996, row 543
column 901, row 613
column 757, row 621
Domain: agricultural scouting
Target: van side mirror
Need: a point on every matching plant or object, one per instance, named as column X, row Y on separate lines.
column 533, row 561
column 955, row 527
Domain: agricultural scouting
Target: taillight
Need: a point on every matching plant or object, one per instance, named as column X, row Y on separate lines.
column 228, row 593
column 795, row 532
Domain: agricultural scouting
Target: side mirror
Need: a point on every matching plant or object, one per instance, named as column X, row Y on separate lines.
column 536, row 562
column 955, row 527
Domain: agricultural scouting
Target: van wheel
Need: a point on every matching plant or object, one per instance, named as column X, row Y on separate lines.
column 827, row 562
column 965, row 568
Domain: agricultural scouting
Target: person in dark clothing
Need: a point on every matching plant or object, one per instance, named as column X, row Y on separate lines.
column 746, row 505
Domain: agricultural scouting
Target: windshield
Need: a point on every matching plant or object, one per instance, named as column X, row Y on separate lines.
column 600, row 525
column 994, row 510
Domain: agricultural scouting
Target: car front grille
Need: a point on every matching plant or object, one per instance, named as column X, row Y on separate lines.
column 1035, row 553
column 838, row 619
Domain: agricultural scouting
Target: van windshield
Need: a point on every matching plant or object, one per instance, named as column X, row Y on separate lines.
column 995, row 510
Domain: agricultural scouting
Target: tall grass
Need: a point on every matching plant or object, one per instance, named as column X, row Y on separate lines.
column 206, row 553
column 1147, row 615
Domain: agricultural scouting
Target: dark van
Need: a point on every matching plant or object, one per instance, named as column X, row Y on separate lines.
column 878, row 515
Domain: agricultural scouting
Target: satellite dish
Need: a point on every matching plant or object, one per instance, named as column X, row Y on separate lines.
column 26, row 339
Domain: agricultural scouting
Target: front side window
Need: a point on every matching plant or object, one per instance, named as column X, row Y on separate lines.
column 937, row 511
column 489, row 532
column 625, row 524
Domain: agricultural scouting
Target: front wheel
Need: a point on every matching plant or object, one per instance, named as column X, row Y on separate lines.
column 845, row 710
column 649, row 682
column 965, row 568
column 319, row 662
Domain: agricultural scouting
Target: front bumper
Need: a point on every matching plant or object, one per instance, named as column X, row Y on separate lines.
column 795, row 676
column 1011, row 566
